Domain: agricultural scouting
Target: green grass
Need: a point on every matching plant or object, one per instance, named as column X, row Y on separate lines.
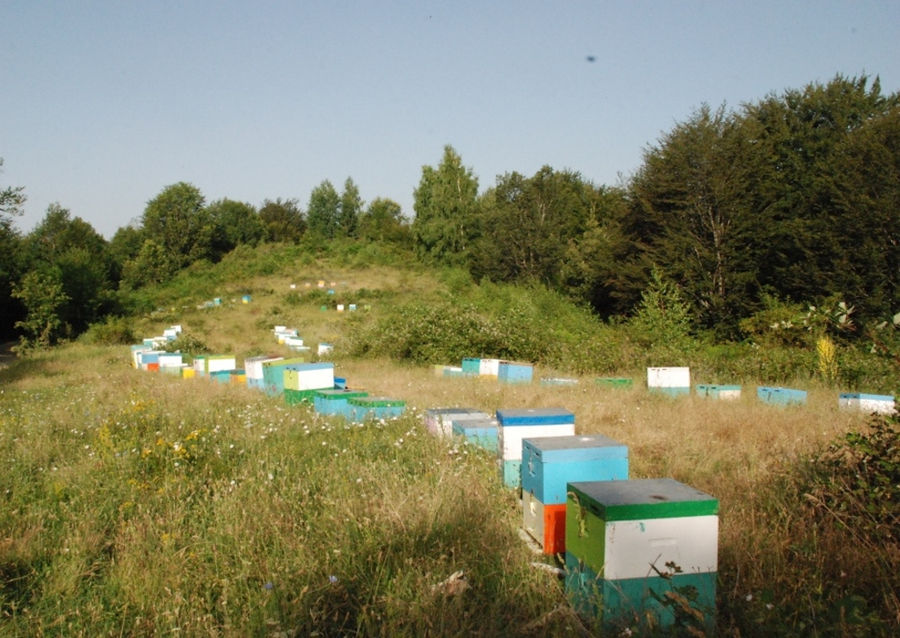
column 143, row 504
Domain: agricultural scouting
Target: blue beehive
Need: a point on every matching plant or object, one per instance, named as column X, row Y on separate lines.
column 518, row 424
column 481, row 432
column 334, row 402
column 780, row 396
column 719, row 391
column 548, row 463
column 512, row 372
column 361, row 409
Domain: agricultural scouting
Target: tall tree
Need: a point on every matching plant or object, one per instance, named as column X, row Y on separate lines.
column 445, row 203
column 383, row 221
column 283, row 220
column 802, row 134
column 176, row 220
column 79, row 257
column 526, row 223
column 235, row 223
column 690, row 212
column 322, row 212
column 350, row 210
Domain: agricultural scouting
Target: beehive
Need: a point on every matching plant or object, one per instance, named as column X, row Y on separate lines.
column 253, row 367
column 780, row 396
column 471, row 366
column 488, row 367
column 728, row 392
column 308, row 376
column 517, row 424
column 614, row 382
column 361, row 409
column 439, row 420
column 548, row 465
column 560, row 381
column 148, row 358
column 512, row 372
column 670, row 381
column 877, row 403
column 479, row 431
column 334, row 401
column 169, row 361
column 629, row 542
column 273, row 374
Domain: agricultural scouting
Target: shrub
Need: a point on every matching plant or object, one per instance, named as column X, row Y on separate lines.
column 112, row 331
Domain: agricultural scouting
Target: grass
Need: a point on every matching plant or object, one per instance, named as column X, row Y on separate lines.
column 142, row 504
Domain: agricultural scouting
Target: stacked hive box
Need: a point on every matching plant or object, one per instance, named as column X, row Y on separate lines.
column 516, row 425
column 170, row 362
column 511, row 372
column 207, row 364
column 878, row 403
column 149, row 359
column 632, row 544
column 548, row 464
column 719, row 391
column 780, row 396
column 273, row 374
column 671, row 381
column 480, row 431
column 439, row 421
column 253, row 367
column 303, row 380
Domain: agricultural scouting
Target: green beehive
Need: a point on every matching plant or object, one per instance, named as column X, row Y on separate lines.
column 632, row 544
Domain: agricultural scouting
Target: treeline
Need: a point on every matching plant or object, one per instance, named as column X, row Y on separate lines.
column 794, row 199
column 750, row 215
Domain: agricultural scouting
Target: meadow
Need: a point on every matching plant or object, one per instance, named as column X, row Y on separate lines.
column 144, row 504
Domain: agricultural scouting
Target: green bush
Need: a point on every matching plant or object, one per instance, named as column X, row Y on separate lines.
column 112, row 331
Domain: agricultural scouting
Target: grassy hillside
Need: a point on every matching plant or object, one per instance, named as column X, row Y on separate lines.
column 138, row 503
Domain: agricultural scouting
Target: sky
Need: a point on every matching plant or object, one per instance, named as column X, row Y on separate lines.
column 104, row 104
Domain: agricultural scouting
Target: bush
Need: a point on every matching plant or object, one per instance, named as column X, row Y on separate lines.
column 112, row 331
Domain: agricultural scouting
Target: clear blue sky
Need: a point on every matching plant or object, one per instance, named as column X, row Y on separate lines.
column 103, row 104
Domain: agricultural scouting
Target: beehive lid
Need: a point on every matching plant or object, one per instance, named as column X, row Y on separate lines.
column 377, row 402
column 577, row 447
column 643, row 498
column 534, row 416
column 340, row 393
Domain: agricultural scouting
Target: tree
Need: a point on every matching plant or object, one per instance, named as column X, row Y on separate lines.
column 235, row 223
column 803, row 136
column 12, row 198
column 177, row 222
column 283, row 220
column 322, row 212
column 690, row 212
column 445, row 203
column 350, row 210
column 80, row 259
column 41, row 292
column 525, row 224
column 383, row 221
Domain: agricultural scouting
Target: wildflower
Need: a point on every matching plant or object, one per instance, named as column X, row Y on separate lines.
column 332, row 579
column 269, row 585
